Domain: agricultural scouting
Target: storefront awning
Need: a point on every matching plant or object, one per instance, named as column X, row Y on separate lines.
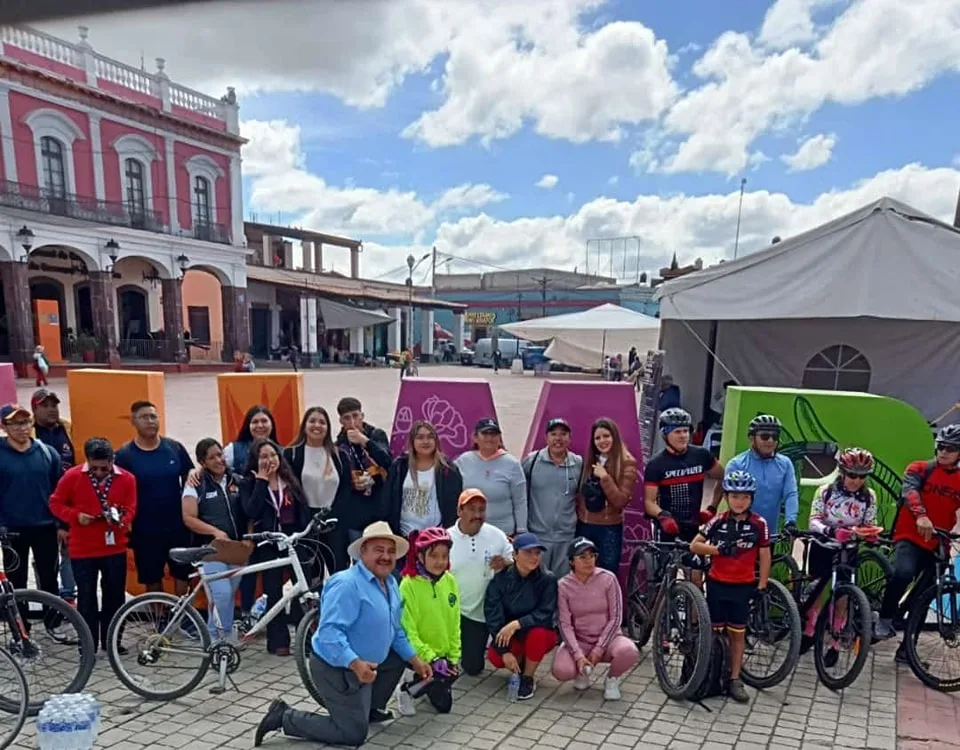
column 337, row 315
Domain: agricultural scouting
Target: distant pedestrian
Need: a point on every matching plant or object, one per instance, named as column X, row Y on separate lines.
column 40, row 366
column 497, row 360
column 293, row 355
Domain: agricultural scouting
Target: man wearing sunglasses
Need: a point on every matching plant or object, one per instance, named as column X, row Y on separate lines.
column 930, row 500
column 776, row 480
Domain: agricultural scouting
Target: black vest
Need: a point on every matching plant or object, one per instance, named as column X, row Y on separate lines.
column 220, row 509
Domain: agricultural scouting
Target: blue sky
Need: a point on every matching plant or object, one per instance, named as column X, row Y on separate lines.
column 409, row 123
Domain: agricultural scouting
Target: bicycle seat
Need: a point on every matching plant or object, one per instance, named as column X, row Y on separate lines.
column 190, row 555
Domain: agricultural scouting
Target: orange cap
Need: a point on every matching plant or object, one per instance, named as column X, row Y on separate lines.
column 469, row 494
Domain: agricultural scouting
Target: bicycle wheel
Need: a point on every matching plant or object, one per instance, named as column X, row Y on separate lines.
column 786, row 570
column 58, row 654
column 835, row 634
column 873, row 571
column 641, row 593
column 682, row 628
column 162, row 645
column 303, row 648
column 14, row 698
column 925, row 637
column 778, row 637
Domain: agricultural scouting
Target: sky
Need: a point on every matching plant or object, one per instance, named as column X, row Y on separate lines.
column 525, row 134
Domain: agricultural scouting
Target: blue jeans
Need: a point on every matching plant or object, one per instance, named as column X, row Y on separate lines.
column 68, row 584
column 609, row 541
column 222, row 593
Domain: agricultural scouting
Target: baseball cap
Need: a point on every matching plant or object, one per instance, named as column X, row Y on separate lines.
column 10, row 412
column 470, row 494
column 42, row 394
column 580, row 545
column 487, row 425
column 527, row 540
column 558, row 422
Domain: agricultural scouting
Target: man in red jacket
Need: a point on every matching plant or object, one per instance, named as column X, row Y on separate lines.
column 931, row 499
column 97, row 500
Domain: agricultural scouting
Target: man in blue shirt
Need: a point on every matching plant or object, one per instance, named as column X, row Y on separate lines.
column 359, row 648
column 161, row 466
column 774, row 472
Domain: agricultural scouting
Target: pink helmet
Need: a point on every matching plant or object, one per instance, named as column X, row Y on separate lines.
column 431, row 536
column 856, row 462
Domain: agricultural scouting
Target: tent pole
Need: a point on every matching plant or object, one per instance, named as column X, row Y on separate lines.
column 708, row 376
column 603, row 349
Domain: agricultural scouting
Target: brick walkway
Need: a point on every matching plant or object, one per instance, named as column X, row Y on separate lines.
column 927, row 720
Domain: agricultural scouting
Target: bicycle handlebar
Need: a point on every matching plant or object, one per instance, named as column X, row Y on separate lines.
column 317, row 523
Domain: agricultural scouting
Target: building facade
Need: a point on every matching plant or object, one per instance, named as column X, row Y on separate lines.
column 120, row 189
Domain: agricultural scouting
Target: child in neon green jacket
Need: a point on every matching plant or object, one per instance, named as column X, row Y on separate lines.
column 431, row 616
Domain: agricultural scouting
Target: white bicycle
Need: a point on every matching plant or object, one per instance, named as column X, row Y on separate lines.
column 168, row 636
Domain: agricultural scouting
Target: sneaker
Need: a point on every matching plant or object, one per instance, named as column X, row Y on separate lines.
column 831, row 658
column 884, row 629
column 527, row 688
column 611, row 689
column 380, row 715
column 60, row 633
column 581, row 683
column 272, row 722
column 736, row 691
column 405, row 703
column 901, row 656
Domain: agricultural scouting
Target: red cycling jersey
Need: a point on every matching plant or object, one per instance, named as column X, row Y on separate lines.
column 936, row 496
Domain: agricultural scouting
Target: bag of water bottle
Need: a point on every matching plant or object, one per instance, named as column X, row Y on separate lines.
column 68, row 722
column 258, row 608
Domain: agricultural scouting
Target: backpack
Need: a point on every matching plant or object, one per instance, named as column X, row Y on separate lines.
column 529, row 473
column 718, row 670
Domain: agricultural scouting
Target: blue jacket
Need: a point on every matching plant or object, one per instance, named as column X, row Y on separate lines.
column 27, row 480
column 776, row 486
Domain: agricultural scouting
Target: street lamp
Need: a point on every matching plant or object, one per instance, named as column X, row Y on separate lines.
column 114, row 247
column 184, row 263
column 409, row 282
column 25, row 237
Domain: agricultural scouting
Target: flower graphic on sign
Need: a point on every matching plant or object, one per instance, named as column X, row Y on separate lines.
column 444, row 417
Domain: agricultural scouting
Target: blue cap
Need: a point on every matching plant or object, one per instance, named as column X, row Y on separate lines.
column 10, row 411
column 527, row 540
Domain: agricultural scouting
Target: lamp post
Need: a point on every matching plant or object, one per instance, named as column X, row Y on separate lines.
column 114, row 249
column 410, row 263
column 736, row 242
column 25, row 238
column 183, row 262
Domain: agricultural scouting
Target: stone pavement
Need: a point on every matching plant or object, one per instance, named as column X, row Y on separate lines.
column 798, row 714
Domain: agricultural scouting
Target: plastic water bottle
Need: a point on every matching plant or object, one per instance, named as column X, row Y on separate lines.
column 258, row 608
column 68, row 722
column 513, row 687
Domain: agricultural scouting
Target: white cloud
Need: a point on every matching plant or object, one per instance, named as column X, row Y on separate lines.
column 468, row 196
column 790, row 22
column 813, row 152
column 548, row 182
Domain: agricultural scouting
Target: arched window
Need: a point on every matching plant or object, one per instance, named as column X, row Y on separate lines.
column 838, row 368
column 135, row 194
column 54, row 170
column 201, row 201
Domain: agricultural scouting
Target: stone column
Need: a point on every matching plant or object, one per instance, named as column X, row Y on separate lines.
column 426, row 335
column 393, row 330
column 16, row 296
column 274, row 326
column 287, row 254
column 96, row 147
column 236, row 321
column 355, row 263
column 172, row 320
column 308, row 328
column 172, row 207
column 306, row 250
column 458, row 331
column 268, row 251
column 318, row 252
column 356, row 340
column 236, row 202
column 102, row 302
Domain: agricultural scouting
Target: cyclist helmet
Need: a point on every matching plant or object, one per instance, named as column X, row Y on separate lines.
column 674, row 418
column 855, row 462
column 949, row 437
column 764, row 423
column 739, row 481
column 431, row 536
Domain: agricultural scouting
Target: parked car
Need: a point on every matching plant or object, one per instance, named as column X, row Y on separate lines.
column 466, row 357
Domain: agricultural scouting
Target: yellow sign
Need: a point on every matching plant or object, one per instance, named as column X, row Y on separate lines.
column 477, row 318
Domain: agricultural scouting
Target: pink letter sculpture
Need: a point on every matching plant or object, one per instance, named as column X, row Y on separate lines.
column 581, row 403
column 451, row 406
column 8, row 384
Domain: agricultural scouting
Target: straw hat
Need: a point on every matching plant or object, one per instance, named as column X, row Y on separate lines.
column 378, row 530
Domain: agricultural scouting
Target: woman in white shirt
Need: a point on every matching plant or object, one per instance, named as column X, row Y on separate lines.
column 322, row 473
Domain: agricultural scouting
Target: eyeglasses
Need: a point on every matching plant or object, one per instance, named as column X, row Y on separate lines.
column 861, row 477
column 948, row 448
column 768, row 436
column 20, row 424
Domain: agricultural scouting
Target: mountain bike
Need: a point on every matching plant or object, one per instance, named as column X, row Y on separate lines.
column 166, row 634
column 47, row 637
column 674, row 611
column 14, row 698
column 845, row 622
column 936, row 612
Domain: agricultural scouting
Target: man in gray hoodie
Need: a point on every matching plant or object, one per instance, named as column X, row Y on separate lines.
column 553, row 475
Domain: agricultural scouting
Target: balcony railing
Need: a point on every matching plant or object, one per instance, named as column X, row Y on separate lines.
column 41, row 200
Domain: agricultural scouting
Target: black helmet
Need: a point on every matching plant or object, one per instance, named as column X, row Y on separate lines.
column 949, row 437
column 764, row 423
column 675, row 417
column 580, row 545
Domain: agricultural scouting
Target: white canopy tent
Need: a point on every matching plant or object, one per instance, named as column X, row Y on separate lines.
column 584, row 338
column 868, row 301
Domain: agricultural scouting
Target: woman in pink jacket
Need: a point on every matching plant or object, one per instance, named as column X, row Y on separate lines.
column 590, row 609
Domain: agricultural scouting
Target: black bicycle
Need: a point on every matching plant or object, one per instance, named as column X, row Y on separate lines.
column 47, row 637
column 673, row 611
column 934, row 623
column 844, row 626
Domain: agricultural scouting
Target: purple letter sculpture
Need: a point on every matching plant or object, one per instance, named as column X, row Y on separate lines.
column 451, row 406
column 581, row 403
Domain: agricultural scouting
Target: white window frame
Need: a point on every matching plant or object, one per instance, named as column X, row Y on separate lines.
column 201, row 165
column 45, row 122
column 138, row 148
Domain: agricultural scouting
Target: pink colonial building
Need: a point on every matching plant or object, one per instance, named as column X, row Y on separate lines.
column 119, row 187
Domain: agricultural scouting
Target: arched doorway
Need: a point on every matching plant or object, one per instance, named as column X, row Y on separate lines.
column 83, row 308
column 133, row 315
column 49, row 289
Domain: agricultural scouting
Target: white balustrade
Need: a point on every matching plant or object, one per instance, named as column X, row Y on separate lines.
column 124, row 75
column 40, row 44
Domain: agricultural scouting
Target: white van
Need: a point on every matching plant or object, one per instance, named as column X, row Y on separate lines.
column 510, row 349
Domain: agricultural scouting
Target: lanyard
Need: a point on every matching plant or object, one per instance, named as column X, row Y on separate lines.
column 277, row 497
column 102, row 489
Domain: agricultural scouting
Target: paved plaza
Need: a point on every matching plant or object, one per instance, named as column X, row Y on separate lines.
column 885, row 702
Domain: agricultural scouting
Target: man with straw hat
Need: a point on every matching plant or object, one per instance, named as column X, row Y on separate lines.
column 359, row 649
